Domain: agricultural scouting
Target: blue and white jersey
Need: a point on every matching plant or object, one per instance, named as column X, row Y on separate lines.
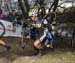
column 39, row 27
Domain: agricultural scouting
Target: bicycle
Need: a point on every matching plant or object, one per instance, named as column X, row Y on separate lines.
column 2, row 29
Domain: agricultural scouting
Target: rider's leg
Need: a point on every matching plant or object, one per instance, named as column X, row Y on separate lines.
column 4, row 44
column 50, row 44
column 49, row 40
column 38, row 47
column 36, row 50
column 38, row 43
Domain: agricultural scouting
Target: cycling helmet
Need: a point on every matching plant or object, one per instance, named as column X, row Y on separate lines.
column 33, row 12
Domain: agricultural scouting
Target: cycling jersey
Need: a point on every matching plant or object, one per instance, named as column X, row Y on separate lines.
column 40, row 28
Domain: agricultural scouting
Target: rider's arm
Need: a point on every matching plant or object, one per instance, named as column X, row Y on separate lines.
column 45, row 25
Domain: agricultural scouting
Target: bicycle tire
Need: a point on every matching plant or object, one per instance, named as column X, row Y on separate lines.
column 1, row 24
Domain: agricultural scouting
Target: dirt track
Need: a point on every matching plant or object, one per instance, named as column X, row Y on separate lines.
column 16, row 49
column 18, row 55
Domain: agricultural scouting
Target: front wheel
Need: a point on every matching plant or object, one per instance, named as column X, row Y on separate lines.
column 2, row 29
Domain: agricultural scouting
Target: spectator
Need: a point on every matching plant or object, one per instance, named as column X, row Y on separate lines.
column 2, row 16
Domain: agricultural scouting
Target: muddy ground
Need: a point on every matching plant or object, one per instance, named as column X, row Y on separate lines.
column 19, row 55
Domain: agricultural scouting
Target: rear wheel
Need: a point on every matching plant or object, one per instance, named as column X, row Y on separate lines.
column 2, row 29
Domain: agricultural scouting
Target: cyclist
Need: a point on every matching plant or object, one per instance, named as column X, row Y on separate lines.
column 41, row 30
